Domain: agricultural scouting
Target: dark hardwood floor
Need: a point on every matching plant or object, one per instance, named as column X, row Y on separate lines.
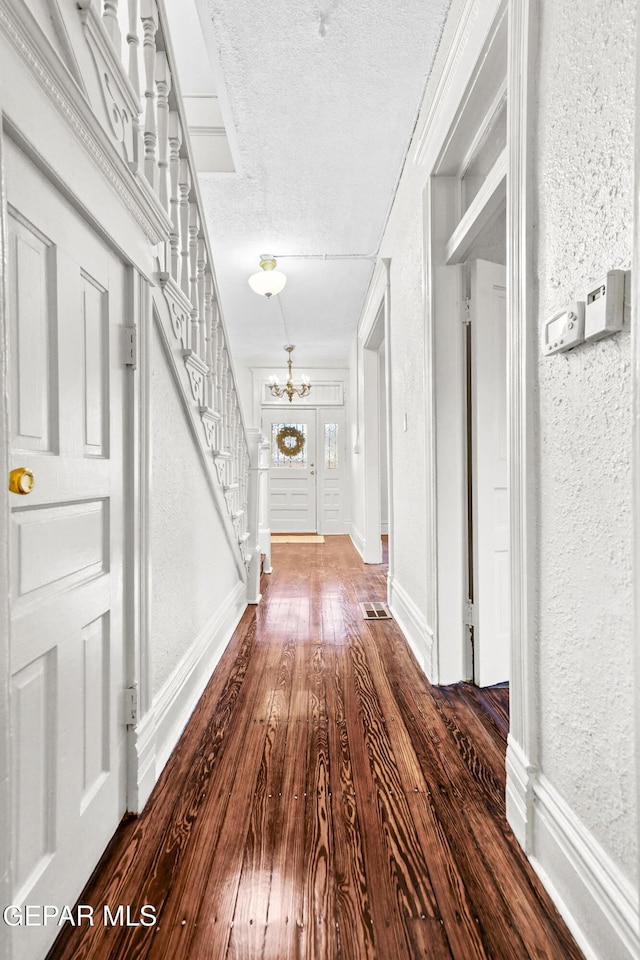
column 325, row 802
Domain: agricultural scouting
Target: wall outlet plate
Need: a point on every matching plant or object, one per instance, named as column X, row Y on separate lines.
column 604, row 311
column 564, row 330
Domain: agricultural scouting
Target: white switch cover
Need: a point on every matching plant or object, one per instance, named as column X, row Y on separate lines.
column 605, row 305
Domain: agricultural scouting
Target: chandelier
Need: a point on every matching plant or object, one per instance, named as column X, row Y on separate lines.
column 274, row 386
column 267, row 281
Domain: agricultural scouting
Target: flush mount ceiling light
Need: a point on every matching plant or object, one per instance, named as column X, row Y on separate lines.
column 268, row 281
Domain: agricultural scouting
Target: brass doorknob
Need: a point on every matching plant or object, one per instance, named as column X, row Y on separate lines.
column 21, row 481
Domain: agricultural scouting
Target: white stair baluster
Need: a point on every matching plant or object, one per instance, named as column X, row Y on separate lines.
column 149, row 30
column 184, row 187
column 175, row 142
column 110, row 20
column 210, row 333
column 133, row 43
column 163, row 83
column 194, row 228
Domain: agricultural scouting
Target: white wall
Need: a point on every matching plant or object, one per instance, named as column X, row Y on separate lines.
column 192, row 574
column 584, row 204
column 410, row 469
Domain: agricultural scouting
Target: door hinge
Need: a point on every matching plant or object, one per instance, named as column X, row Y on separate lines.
column 466, row 313
column 131, row 705
column 469, row 613
column 131, row 347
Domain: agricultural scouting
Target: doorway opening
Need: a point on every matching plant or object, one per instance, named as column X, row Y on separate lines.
column 488, row 603
column 307, row 469
column 466, row 349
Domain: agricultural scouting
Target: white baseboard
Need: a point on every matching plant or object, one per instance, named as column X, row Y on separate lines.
column 520, row 776
column 413, row 624
column 159, row 730
column 357, row 539
column 597, row 902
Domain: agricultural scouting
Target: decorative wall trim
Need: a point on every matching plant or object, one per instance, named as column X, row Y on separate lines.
column 210, row 420
column 521, row 356
column 120, row 99
column 17, row 23
column 476, row 19
column 197, row 370
column 160, row 730
column 519, row 797
column 179, row 308
column 137, row 566
column 413, row 624
column 635, row 386
column 598, row 903
column 375, row 297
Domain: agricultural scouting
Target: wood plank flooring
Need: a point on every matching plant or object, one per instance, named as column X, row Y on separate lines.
column 325, row 802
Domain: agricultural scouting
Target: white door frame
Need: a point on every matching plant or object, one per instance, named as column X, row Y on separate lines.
column 443, row 287
column 322, row 413
column 635, row 367
column 136, row 583
column 5, row 795
column 141, row 758
column 373, row 329
column 522, row 748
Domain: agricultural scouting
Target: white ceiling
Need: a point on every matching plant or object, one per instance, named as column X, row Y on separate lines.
column 320, row 100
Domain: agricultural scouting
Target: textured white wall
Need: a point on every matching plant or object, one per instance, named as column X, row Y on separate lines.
column 411, row 514
column 583, row 167
column 192, row 572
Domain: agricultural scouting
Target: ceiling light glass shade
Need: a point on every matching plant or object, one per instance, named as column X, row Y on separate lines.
column 268, row 281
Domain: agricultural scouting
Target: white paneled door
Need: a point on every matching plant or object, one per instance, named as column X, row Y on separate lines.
column 66, row 296
column 306, row 485
column 292, row 470
column 489, row 473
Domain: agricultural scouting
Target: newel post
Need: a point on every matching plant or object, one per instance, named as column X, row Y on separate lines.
column 254, row 439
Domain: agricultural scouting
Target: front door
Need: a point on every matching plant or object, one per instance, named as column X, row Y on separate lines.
column 292, row 470
column 66, row 301
column 490, row 495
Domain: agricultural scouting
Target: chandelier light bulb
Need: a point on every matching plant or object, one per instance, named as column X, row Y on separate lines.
column 268, row 281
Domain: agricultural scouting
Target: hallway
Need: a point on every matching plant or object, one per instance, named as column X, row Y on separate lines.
column 325, row 801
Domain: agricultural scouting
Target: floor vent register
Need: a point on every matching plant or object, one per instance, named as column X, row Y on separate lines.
column 374, row 610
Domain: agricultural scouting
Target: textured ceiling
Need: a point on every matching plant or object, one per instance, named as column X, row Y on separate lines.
column 322, row 99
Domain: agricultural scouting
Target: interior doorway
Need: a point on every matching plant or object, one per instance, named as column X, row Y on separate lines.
column 307, row 469
column 487, row 483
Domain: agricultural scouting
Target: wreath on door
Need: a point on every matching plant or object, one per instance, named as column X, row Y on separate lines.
column 290, row 441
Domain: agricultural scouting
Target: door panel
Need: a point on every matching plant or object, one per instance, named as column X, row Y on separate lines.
column 66, row 305
column 292, row 479
column 331, row 471
column 489, row 473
